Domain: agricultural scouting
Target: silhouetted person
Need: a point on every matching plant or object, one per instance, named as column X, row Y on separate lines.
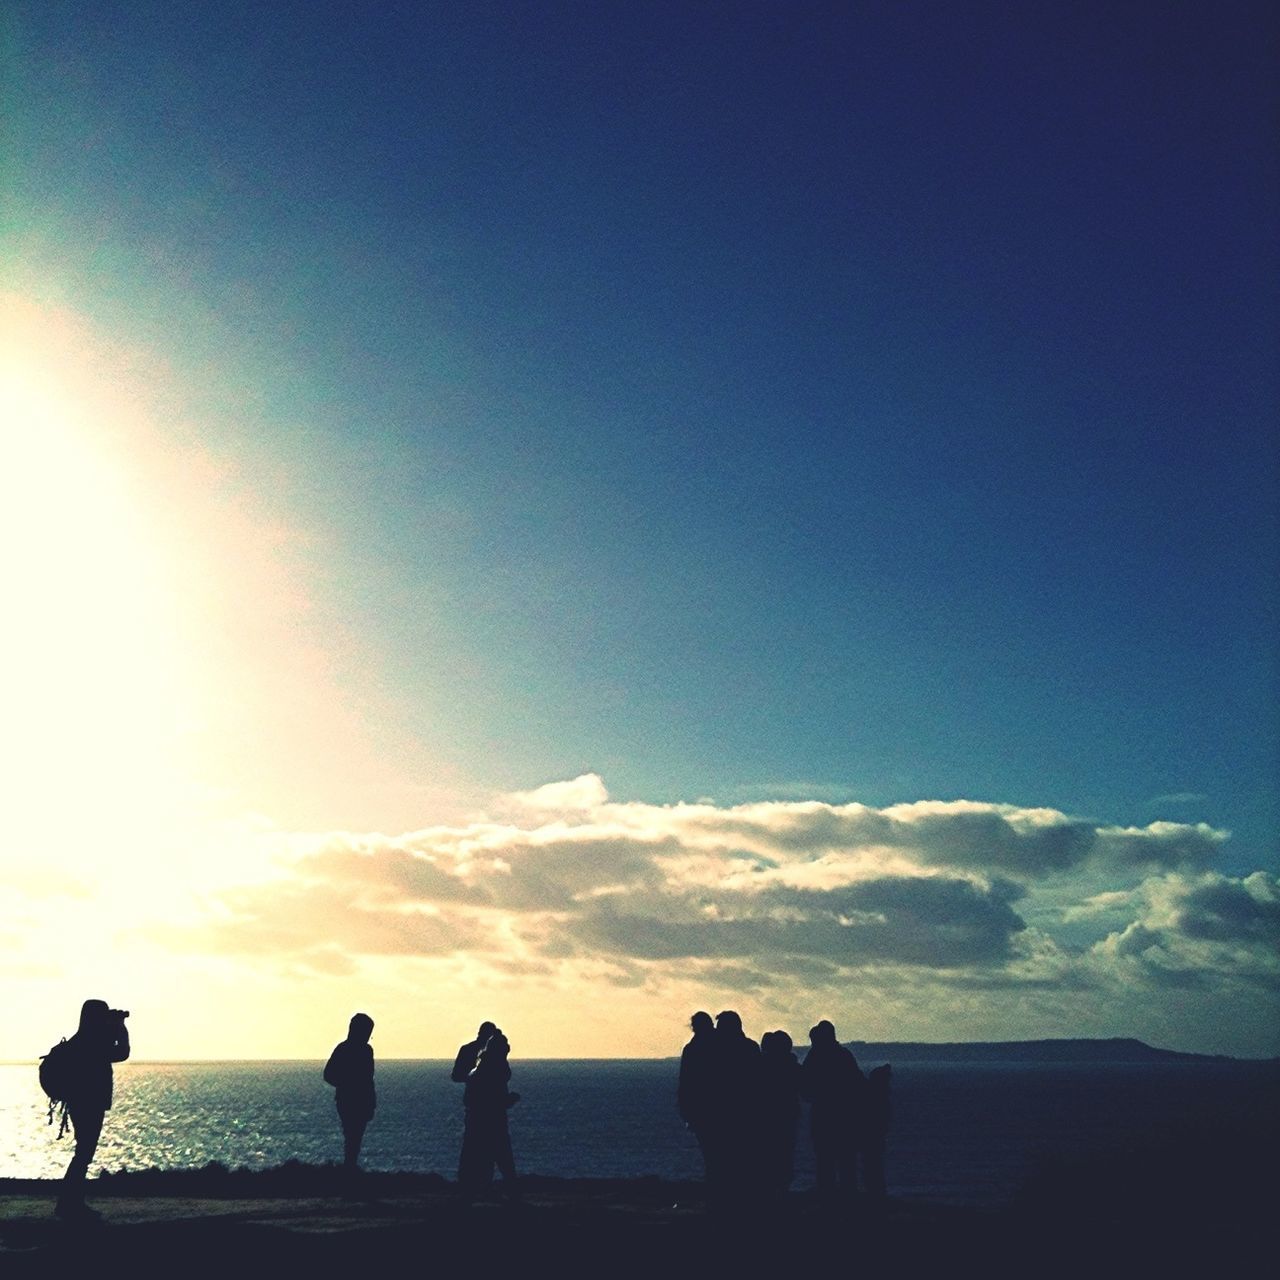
column 779, row 1111
column 486, row 1139
column 874, row 1130
column 350, row 1072
column 730, row 1146
column 696, row 1084
column 832, row 1084
column 467, row 1055
column 100, row 1040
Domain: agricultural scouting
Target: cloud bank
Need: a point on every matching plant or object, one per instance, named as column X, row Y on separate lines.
column 936, row 899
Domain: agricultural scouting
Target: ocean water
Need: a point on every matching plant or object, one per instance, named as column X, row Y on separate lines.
column 961, row 1133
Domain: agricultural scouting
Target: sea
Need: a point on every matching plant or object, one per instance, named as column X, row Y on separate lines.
column 962, row 1133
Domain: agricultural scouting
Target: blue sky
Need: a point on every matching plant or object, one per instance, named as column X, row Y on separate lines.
column 757, row 402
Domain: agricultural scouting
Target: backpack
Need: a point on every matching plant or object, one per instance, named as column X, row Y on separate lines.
column 57, row 1071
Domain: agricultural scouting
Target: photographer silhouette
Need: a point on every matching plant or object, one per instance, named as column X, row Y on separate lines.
column 101, row 1040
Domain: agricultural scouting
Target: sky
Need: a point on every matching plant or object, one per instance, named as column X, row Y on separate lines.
column 572, row 514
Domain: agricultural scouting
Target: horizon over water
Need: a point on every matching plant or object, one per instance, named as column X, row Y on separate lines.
column 964, row 1133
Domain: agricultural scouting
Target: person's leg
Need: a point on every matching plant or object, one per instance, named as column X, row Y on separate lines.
column 86, row 1124
column 469, row 1158
column 848, row 1161
column 354, row 1124
column 825, row 1161
column 353, row 1127
column 475, row 1168
column 713, row 1151
column 505, row 1160
column 873, row 1167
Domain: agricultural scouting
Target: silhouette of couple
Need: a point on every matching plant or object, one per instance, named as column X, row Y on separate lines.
column 742, row 1102
column 482, row 1066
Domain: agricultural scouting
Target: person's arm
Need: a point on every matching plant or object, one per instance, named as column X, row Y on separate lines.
column 462, row 1065
column 333, row 1068
column 805, row 1077
column 120, row 1044
column 682, row 1087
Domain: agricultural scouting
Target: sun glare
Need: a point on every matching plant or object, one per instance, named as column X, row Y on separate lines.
column 100, row 702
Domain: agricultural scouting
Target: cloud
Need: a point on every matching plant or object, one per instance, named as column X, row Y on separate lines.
column 961, row 834
column 930, row 921
column 1223, row 910
column 925, row 920
column 779, row 889
column 1193, row 931
column 1100, row 904
column 587, row 791
column 305, row 919
column 1179, row 797
column 1165, row 844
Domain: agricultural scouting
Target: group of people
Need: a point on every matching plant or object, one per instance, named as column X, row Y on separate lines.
column 481, row 1066
column 742, row 1101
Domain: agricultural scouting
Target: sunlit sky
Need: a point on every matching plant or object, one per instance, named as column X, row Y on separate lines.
column 571, row 514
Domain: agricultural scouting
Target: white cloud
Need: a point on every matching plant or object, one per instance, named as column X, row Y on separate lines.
column 778, row 889
column 584, row 792
column 1200, row 930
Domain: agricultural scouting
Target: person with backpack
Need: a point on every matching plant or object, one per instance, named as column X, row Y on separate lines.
column 78, row 1074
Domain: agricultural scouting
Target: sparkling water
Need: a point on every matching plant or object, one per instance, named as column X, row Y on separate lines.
column 964, row 1133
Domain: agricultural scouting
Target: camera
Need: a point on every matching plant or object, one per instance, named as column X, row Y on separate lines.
column 121, row 1014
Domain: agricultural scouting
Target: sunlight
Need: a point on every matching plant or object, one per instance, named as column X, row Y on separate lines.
column 103, row 702
column 92, row 673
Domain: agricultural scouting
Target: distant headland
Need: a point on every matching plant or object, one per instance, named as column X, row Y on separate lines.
column 1118, row 1050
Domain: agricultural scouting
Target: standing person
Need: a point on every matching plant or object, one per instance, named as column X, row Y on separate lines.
column 832, row 1083
column 101, row 1039
column 486, row 1139
column 350, row 1072
column 467, row 1055
column 697, row 1075
column 874, row 1130
column 779, row 1111
column 733, row 1157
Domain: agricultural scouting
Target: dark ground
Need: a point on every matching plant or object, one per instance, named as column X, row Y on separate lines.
column 1197, row 1204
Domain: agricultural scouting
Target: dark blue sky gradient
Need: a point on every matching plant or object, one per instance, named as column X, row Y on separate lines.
column 726, row 397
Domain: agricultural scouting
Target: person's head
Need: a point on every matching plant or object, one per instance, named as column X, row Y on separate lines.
column 728, row 1023
column 486, row 1030
column 701, row 1023
column 767, row 1042
column 823, row 1033
column 94, row 1015
column 782, row 1043
column 360, row 1028
column 496, row 1046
